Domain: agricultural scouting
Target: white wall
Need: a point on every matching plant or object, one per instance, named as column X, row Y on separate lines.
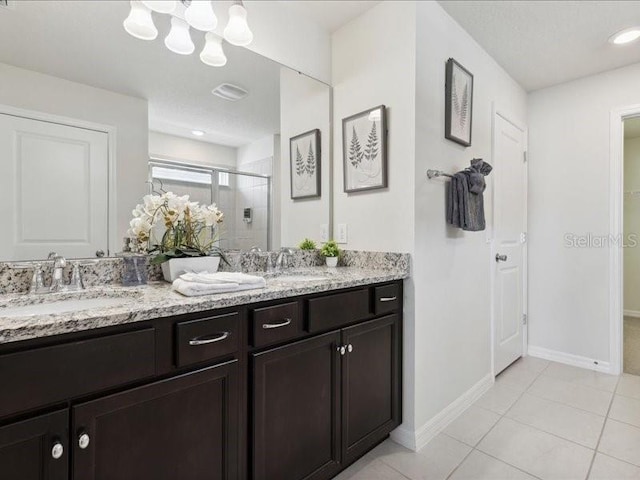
column 370, row 69
column 451, row 267
column 43, row 93
column 632, row 224
column 447, row 347
column 569, row 194
column 305, row 104
column 192, row 151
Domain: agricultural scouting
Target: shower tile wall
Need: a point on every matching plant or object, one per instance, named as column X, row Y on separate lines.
column 227, row 203
column 253, row 192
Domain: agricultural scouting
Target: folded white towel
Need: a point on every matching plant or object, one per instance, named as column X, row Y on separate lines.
column 222, row 277
column 194, row 289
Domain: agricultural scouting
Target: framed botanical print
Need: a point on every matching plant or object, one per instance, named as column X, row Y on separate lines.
column 458, row 110
column 305, row 155
column 364, row 150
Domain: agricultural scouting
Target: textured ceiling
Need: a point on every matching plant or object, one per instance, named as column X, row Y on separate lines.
column 331, row 14
column 543, row 43
column 84, row 41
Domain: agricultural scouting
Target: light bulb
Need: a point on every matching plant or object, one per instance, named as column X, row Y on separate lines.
column 212, row 53
column 161, row 6
column 139, row 22
column 179, row 40
column 200, row 15
column 625, row 36
column 237, row 30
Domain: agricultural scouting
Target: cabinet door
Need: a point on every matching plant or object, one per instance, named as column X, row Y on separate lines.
column 185, row 427
column 371, row 389
column 296, row 414
column 35, row 449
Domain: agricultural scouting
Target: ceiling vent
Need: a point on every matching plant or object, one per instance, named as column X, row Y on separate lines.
column 233, row 93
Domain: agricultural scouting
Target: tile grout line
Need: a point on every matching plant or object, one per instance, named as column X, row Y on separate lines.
column 501, row 415
column 604, row 424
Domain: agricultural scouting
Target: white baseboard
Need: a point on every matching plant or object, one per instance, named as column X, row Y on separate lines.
column 632, row 313
column 418, row 439
column 569, row 359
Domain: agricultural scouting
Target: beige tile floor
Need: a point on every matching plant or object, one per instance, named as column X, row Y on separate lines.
column 540, row 420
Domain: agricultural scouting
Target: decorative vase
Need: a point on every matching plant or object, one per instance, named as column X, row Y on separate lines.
column 175, row 267
column 332, row 261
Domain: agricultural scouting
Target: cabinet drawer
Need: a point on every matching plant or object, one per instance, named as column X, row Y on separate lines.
column 206, row 338
column 333, row 311
column 275, row 324
column 47, row 375
column 387, row 299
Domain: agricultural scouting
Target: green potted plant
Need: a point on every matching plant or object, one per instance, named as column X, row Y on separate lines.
column 331, row 252
column 188, row 234
column 307, row 244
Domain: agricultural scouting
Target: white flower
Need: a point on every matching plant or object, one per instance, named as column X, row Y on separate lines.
column 139, row 226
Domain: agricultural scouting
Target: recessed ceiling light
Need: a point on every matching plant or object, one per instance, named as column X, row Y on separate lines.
column 625, row 36
column 197, row 133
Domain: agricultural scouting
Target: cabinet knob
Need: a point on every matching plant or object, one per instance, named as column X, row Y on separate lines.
column 341, row 349
column 83, row 441
column 349, row 348
column 57, row 450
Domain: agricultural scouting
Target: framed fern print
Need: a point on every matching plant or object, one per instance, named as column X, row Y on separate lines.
column 364, row 150
column 304, row 154
column 458, row 103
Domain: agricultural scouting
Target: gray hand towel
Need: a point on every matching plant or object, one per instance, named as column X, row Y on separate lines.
column 466, row 201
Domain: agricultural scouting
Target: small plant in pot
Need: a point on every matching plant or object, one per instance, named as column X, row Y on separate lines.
column 307, row 244
column 188, row 234
column 331, row 252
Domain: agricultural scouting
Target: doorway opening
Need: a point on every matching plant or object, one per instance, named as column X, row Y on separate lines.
column 631, row 252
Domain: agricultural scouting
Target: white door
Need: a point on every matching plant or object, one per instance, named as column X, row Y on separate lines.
column 509, row 244
column 54, row 184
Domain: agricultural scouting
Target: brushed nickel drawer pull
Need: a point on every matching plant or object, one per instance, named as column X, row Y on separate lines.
column 388, row 299
column 266, row 326
column 207, row 340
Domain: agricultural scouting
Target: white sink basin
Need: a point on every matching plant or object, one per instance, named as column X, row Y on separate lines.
column 63, row 306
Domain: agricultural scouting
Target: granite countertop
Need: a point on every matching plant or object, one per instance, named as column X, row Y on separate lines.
column 134, row 304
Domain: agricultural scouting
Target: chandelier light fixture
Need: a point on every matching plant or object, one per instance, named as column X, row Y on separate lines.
column 187, row 14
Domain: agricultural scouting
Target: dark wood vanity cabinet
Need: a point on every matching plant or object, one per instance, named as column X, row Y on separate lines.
column 321, row 403
column 296, row 410
column 294, row 389
column 36, row 449
column 185, row 427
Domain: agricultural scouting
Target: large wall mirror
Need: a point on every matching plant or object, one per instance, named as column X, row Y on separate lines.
column 92, row 119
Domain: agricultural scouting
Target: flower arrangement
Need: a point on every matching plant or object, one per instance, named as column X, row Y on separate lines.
column 187, row 228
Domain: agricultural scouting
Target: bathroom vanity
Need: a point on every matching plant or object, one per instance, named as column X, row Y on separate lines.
column 295, row 381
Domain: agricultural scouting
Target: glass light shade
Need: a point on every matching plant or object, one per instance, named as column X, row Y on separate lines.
column 139, row 23
column 161, row 6
column 179, row 40
column 200, row 15
column 212, row 53
column 237, row 31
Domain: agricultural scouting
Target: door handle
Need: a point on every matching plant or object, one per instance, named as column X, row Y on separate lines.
column 501, row 258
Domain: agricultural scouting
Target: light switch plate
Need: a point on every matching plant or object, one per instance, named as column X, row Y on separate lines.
column 324, row 232
column 341, row 234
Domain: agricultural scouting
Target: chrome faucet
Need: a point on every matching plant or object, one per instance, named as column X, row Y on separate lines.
column 281, row 261
column 57, row 280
